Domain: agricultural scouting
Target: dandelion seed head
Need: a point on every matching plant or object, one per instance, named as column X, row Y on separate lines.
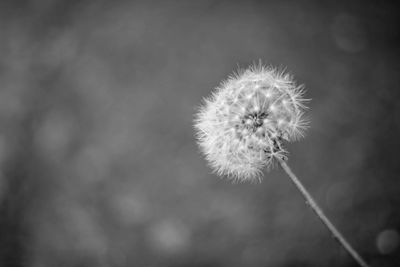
column 241, row 126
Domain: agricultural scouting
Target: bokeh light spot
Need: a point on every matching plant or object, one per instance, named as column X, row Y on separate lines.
column 388, row 241
column 169, row 236
column 348, row 33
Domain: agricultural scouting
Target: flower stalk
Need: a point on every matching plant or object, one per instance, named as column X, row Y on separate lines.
column 320, row 214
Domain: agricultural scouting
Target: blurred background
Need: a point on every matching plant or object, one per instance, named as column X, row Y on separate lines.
column 98, row 161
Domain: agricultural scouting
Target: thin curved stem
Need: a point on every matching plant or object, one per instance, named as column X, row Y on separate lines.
column 318, row 211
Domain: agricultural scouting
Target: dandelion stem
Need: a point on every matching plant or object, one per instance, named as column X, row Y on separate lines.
column 314, row 206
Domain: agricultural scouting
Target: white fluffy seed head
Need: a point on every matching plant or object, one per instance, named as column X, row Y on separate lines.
column 241, row 126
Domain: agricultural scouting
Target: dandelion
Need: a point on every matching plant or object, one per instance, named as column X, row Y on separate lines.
column 241, row 129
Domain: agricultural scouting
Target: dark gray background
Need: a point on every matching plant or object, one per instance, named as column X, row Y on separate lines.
column 98, row 161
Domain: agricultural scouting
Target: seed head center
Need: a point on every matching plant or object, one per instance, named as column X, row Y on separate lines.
column 255, row 120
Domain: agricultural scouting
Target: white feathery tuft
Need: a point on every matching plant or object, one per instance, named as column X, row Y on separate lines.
column 241, row 126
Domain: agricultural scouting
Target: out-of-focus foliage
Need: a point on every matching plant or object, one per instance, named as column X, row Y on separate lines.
column 98, row 162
